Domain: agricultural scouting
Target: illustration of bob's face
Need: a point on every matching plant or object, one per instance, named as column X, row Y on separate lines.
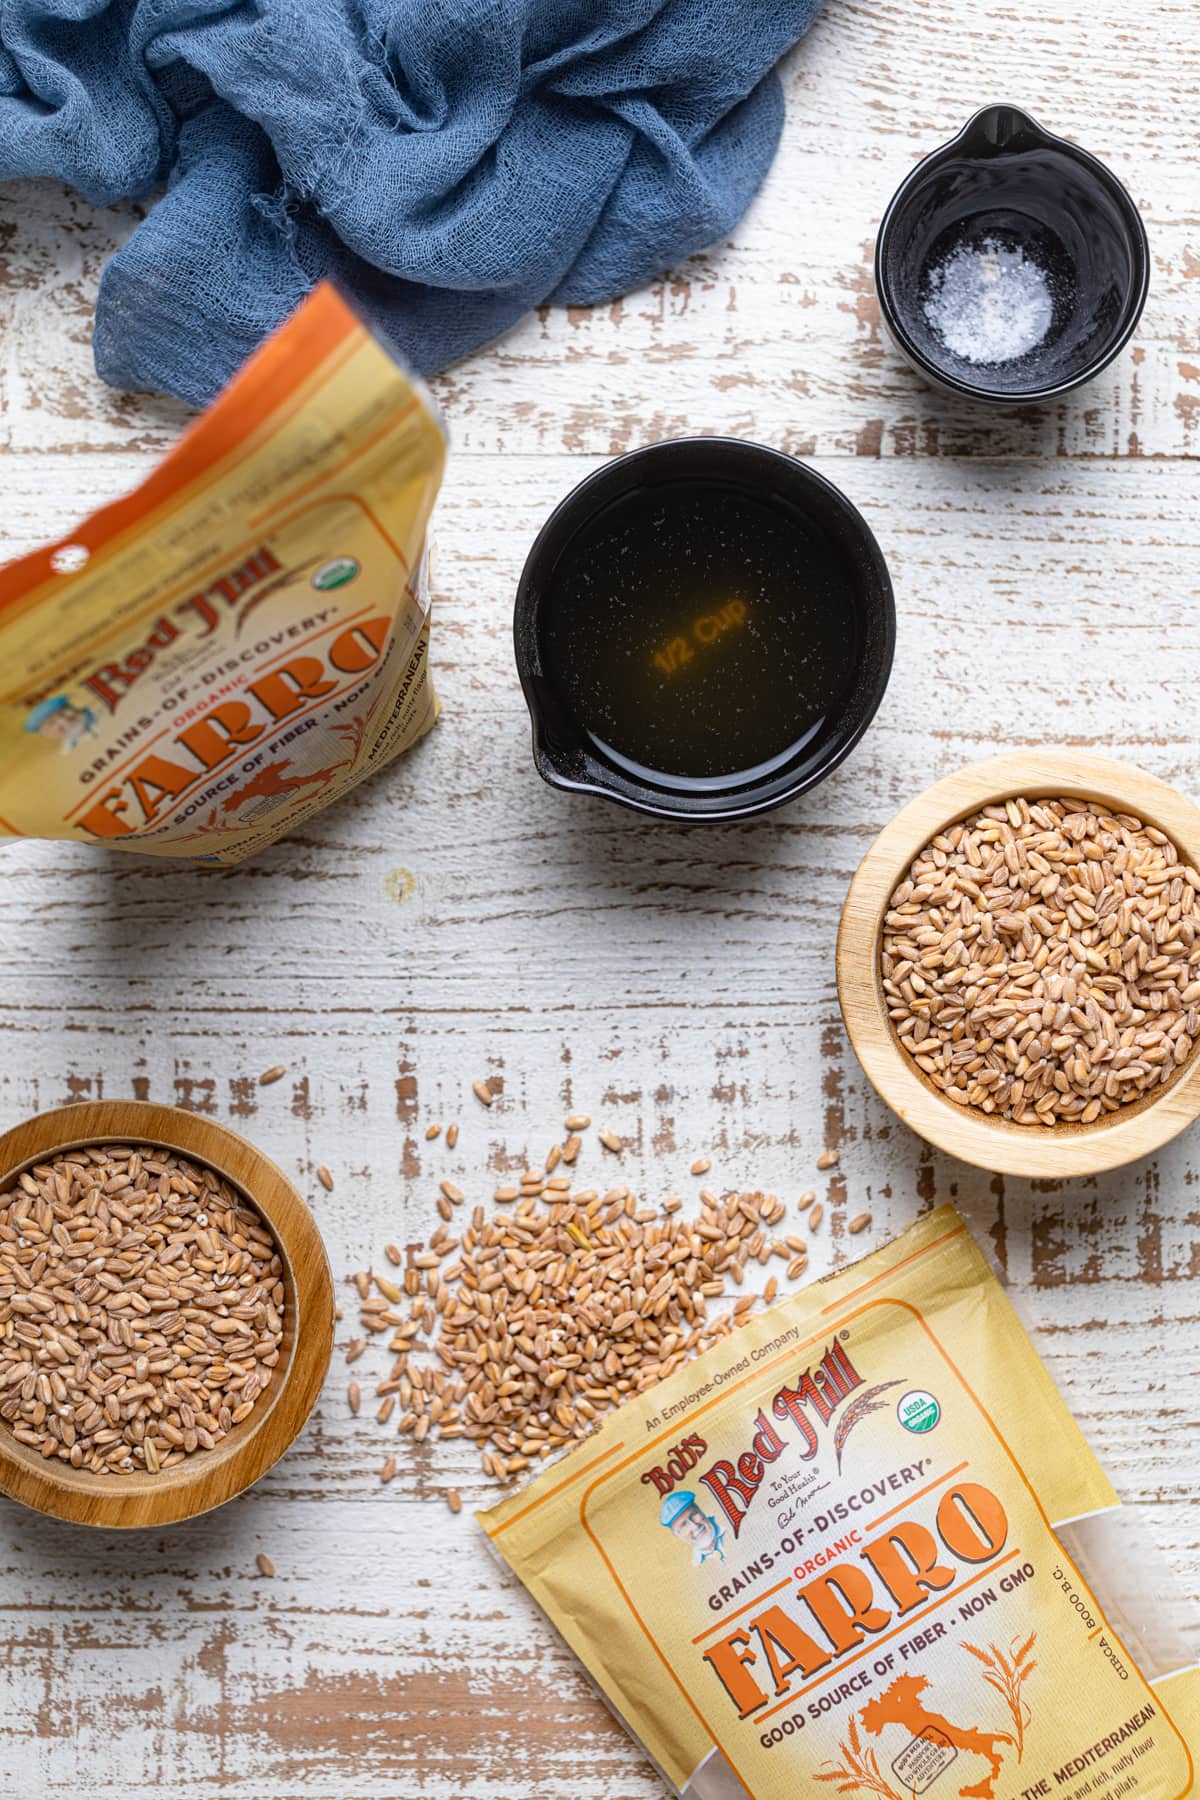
column 695, row 1528
column 65, row 723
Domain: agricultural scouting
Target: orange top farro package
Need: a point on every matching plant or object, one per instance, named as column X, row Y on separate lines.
column 861, row 1547
column 204, row 663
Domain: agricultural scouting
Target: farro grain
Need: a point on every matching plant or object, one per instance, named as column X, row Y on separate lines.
column 265, row 1565
column 859, row 1223
column 827, row 1159
column 325, row 1178
column 141, row 1308
column 1041, row 960
column 528, row 1326
column 452, row 1136
column 273, row 1074
column 482, row 1092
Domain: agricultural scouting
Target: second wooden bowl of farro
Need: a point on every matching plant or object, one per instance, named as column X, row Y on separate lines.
column 1078, row 1022
column 158, row 1352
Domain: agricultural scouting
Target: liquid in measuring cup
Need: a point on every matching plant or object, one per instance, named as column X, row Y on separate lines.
column 700, row 632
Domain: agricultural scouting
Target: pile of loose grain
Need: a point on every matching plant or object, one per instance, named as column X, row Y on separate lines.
column 141, row 1308
column 1041, row 961
column 519, row 1332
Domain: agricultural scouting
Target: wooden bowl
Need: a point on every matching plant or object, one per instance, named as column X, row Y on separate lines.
column 209, row 1477
column 1039, row 1151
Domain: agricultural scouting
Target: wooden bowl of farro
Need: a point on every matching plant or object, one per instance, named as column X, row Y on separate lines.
column 1018, row 963
column 166, row 1314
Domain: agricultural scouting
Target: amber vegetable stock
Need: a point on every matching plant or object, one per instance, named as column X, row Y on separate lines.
column 701, row 633
column 703, row 630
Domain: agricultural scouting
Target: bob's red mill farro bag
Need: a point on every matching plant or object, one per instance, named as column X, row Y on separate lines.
column 207, row 661
column 861, row 1547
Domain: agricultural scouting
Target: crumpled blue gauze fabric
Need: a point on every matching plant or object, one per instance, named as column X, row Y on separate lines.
column 451, row 163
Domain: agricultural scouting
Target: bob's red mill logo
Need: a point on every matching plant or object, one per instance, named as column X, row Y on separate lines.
column 112, row 680
column 805, row 1410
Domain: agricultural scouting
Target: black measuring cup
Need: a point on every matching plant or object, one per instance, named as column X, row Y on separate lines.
column 1010, row 239
column 715, row 473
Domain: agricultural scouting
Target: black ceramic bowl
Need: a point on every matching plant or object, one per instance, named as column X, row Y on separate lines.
column 837, row 562
column 1040, row 210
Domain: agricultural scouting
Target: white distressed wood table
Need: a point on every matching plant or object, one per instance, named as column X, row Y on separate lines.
column 454, row 918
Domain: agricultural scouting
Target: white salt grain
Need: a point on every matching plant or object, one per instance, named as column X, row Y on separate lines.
column 988, row 303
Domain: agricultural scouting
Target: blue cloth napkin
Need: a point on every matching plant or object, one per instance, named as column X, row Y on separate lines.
column 451, row 163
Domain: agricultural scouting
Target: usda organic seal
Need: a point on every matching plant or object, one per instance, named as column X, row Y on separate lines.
column 335, row 574
column 918, row 1411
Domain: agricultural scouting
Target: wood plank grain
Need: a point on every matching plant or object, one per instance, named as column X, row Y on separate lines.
column 676, row 985
column 454, row 918
column 774, row 334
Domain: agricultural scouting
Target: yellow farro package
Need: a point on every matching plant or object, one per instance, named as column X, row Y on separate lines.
column 861, row 1547
column 201, row 665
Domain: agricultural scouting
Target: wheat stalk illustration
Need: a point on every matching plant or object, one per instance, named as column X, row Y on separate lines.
column 856, row 1412
column 1008, row 1674
column 353, row 731
column 861, row 1769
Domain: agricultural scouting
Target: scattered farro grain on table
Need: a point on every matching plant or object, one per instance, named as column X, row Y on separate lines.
column 702, row 1165
column 540, row 1319
column 482, row 1092
column 859, row 1223
column 265, row 1565
column 273, row 1074
column 141, row 1308
column 827, row 1159
column 1041, row 961
column 325, row 1178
